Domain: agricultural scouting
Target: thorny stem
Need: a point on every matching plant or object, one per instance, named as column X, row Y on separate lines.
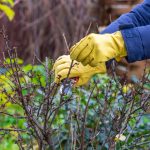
column 84, row 120
column 41, row 120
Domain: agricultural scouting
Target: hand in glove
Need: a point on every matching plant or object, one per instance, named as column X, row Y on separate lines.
column 84, row 73
column 96, row 48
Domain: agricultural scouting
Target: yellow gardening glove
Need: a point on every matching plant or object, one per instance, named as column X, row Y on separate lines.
column 96, row 48
column 84, row 73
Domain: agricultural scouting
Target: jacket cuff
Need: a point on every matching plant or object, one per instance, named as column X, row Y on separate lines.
column 133, row 43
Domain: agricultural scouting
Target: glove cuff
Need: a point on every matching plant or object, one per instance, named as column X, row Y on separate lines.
column 122, row 52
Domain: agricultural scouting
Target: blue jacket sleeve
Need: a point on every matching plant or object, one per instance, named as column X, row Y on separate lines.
column 135, row 28
column 137, row 43
column 138, row 16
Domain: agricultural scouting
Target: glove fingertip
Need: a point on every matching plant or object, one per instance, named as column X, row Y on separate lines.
column 72, row 56
column 56, row 80
column 84, row 63
column 81, row 82
column 53, row 69
column 93, row 64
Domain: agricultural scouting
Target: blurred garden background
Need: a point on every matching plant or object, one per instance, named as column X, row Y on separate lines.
column 38, row 26
column 111, row 112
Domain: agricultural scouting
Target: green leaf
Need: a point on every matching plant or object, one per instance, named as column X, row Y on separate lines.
column 10, row 2
column 27, row 68
column 8, row 11
column 16, row 60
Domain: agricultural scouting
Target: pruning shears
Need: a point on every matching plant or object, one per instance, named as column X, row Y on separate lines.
column 67, row 85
